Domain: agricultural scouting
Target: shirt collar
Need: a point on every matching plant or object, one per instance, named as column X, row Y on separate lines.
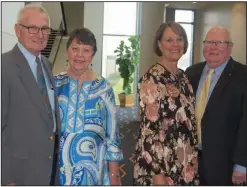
column 26, row 53
column 219, row 69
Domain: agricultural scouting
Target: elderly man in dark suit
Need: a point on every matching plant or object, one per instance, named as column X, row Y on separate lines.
column 220, row 85
column 30, row 119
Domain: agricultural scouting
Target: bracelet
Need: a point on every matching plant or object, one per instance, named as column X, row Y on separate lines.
column 115, row 175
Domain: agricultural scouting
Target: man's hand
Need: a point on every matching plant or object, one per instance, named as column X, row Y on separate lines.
column 238, row 177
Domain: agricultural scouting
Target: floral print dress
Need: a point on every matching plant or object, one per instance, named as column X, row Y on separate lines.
column 167, row 141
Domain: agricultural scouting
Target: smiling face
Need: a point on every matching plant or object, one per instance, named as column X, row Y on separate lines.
column 80, row 56
column 171, row 45
column 217, row 55
column 34, row 43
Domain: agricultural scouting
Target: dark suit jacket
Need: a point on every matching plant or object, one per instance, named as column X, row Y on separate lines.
column 224, row 124
column 27, row 132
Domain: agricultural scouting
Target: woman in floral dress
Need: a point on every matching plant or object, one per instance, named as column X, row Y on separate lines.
column 89, row 140
column 166, row 149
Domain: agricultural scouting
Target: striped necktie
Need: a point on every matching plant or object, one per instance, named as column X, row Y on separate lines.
column 42, row 86
column 201, row 103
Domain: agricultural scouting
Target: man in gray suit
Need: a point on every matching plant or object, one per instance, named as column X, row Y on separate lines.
column 30, row 118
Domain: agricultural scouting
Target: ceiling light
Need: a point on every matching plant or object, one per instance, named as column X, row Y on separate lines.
column 194, row 2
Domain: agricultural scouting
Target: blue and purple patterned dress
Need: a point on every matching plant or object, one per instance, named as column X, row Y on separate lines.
column 89, row 132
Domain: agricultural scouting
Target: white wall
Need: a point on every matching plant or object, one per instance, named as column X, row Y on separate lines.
column 227, row 14
column 93, row 20
column 152, row 17
column 74, row 14
column 9, row 18
column 237, row 27
column 55, row 13
column 60, row 61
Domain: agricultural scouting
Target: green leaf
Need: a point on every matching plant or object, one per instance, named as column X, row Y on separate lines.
column 127, row 59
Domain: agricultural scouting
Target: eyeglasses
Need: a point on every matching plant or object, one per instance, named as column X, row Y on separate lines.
column 217, row 43
column 35, row 30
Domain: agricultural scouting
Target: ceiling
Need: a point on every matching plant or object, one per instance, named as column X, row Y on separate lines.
column 186, row 4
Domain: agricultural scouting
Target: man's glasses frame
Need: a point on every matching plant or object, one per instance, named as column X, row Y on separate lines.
column 35, row 30
column 208, row 43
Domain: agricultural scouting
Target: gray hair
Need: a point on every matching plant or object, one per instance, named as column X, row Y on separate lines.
column 32, row 6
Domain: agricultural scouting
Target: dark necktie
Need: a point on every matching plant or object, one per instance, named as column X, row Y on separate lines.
column 43, row 88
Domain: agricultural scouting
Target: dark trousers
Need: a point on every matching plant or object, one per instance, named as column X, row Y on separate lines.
column 202, row 178
column 54, row 163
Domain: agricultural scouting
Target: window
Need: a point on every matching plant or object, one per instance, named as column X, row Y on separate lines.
column 118, row 25
column 186, row 19
column 110, row 43
column 184, row 16
column 120, row 18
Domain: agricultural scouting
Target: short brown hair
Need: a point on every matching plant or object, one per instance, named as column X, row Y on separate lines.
column 84, row 36
column 176, row 28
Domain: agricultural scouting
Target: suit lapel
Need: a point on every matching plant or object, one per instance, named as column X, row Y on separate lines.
column 196, row 77
column 28, row 80
column 223, row 81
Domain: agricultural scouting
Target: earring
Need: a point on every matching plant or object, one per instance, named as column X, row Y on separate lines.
column 66, row 64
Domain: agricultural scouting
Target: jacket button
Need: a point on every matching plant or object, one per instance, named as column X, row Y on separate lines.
column 51, row 138
column 50, row 157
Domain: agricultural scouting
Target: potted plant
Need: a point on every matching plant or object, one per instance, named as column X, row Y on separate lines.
column 127, row 59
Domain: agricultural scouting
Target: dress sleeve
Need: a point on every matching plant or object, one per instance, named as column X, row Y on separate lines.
column 152, row 143
column 113, row 149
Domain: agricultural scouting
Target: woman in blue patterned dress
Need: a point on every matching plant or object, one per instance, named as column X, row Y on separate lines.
column 89, row 141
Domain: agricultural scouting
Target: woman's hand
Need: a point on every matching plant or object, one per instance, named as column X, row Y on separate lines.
column 115, row 179
column 114, row 173
column 160, row 180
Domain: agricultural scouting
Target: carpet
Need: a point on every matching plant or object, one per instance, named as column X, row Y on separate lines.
column 128, row 130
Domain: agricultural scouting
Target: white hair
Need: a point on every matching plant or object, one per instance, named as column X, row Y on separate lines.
column 221, row 28
column 32, row 6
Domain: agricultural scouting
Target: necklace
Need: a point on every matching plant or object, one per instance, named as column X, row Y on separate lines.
column 175, row 74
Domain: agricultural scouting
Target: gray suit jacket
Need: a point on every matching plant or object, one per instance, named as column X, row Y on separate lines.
column 27, row 132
